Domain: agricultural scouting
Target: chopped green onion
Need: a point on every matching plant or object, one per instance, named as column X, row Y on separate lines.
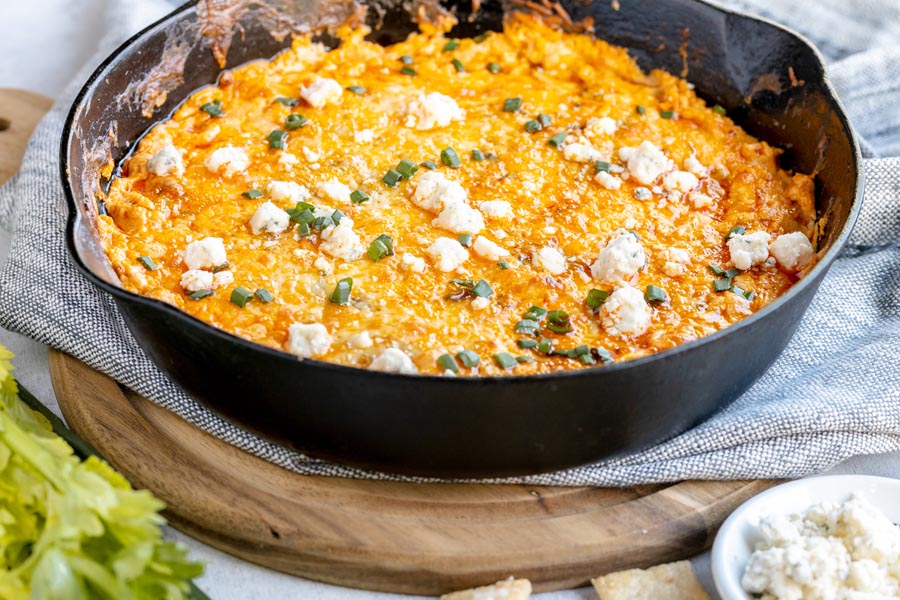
column 655, row 294
column 294, row 121
column 357, row 89
column 321, row 223
column 303, row 230
column 336, row 216
column 408, row 71
column 732, row 272
column 451, row 45
column 526, row 343
column 587, row 359
column 380, row 247
column 200, row 294
column 512, row 104
column 640, row 109
column 304, row 216
column 604, row 354
column 252, row 194
column 525, row 359
column 447, row 363
column 545, row 346
column 407, row 168
column 743, row 293
column 481, row 37
column 719, row 109
column 264, row 295
column 466, row 239
column 468, row 358
column 406, row 59
column 544, row 120
column 457, row 64
column 601, row 166
column 667, row 114
column 287, row 101
column 466, row 283
column 722, row 285
column 535, row 313
column 391, row 178
column 533, row 126
column 716, row 270
column 558, row 321
column 222, row 267
column 213, row 109
column 429, row 164
column 580, row 350
column 505, row 360
column 736, row 230
column 450, row 158
column 147, row 262
column 277, row 139
column 358, row 197
column 557, row 140
column 477, row 155
column 483, row 289
column 528, row 327
column 596, row 297
column 493, row 68
column 503, row 265
column 341, row 293
column 241, row 296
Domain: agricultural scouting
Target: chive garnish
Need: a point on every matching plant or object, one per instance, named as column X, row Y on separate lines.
column 450, row 158
column 558, row 321
column 407, row 168
column 294, row 121
column 533, row 126
column 357, row 89
column 557, row 140
column 596, row 297
column 336, row 216
column 222, row 267
column 287, row 101
column 303, row 230
column 736, row 230
column 493, row 68
column 466, row 239
column 429, row 164
column 526, row 343
column 640, row 109
column 481, row 37
column 264, row 295
column 321, row 223
column 512, row 104
column 380, row 247
column 601, row 165
column 719, row 109
column 447, row 363
column 655, row 294
column 277, row 139
column 528, row 327
column 744, row 293
column 483, row 289
column 200, row 294
column 544, row 120
column 341, row 293
column 468, row 358
column 603, row 354
column 525, row 359
column 477, row 155
column 503, row 265
column 545, row 346
column 391, row 178
column 358, row 197
column 252, row 194
column 147, row 262
column 723, row 284
column 535, row 313
column 302, row 213
column 716, row 270
column 409, row 71
column 457, row 64
column 505, row 360
column 451, row 45
column 241, row 296
column 667, row 114
column 406, row 59
column 213, row 109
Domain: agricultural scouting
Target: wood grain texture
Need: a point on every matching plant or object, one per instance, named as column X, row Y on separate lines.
column 399, row 537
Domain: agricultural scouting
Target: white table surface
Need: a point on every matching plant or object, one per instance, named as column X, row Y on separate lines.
column 43, row 43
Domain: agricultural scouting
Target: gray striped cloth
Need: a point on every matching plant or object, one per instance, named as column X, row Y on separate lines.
column 834, row 393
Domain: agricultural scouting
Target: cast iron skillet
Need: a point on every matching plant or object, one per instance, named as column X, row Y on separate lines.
column 768, row 78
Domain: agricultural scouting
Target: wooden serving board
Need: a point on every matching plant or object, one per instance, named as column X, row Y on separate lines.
column 399, row 537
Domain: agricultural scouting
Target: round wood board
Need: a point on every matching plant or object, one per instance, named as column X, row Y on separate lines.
column 399, row 537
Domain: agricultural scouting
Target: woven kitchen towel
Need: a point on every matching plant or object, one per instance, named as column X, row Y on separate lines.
column 834, row 393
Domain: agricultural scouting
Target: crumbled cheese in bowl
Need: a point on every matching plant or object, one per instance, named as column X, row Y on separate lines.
column 830, row 551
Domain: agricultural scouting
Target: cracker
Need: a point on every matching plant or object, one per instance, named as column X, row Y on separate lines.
column 508, row 589
column 672, row 581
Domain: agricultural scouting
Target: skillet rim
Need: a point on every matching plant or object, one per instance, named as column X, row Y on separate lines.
column 120, row 294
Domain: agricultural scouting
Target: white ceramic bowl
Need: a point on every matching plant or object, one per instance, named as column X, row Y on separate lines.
column 734, row 543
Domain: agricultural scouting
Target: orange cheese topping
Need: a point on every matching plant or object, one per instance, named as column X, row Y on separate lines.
column 599, row 177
